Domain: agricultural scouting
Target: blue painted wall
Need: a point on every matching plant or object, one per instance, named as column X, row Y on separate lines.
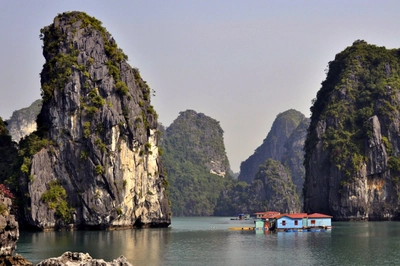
column 289, row 223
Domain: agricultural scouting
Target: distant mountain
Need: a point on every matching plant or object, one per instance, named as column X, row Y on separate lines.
column 284, row 143
column 196, row 163
column 271, row 190
column 272, row 178
column 23, row 121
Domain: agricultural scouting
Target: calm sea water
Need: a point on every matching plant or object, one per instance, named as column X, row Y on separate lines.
column 207, row 241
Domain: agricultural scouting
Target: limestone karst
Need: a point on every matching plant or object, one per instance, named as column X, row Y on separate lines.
column 94, row 160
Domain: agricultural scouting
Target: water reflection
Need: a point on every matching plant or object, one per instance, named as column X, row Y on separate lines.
column 207, row 241
column 144, row 246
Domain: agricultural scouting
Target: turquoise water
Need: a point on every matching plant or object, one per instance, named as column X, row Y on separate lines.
column 207, row 241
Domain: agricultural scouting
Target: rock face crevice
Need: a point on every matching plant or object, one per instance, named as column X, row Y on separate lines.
column 100, row 166
column 352, row 148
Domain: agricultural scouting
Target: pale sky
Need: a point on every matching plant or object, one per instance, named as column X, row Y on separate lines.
column 239, row 62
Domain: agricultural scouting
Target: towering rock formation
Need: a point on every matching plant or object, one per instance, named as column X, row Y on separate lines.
column 353, row 144
column 94, row 161
column 196, row 163
column 23, row 121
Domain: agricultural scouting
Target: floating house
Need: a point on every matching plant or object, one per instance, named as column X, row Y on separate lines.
column 290, row 221
column 294, row 222
column 303, row 221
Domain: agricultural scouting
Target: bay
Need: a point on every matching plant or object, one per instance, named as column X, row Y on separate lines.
column 207, row 241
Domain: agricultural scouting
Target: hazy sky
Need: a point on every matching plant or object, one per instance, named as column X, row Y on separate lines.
column 239, row 62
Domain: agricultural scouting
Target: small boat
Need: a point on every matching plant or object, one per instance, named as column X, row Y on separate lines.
column 242, row 216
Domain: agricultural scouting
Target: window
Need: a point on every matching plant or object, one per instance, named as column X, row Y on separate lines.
column 283, row 222
column 296, row 222
column 312, row 222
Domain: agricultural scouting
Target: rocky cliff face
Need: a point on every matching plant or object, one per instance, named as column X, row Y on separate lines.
column 23, row 121
column 94, row 161
column 352, row 149
column 8, row 226
column 9, row 231
column 280, row 192
column 293, row 156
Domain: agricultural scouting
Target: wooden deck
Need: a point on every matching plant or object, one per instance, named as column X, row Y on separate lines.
column 241, row 228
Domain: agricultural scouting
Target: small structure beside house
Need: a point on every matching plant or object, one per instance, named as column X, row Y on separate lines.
column 265, row 215
column 319, row 220
column 263, row 222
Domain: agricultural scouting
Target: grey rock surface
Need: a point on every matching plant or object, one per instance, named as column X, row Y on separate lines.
column 101, row 134
column 82, row 259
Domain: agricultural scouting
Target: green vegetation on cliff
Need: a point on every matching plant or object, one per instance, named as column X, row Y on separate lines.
column 279, row 188
column 55, row 198
column 194, row 147
column 271, row 190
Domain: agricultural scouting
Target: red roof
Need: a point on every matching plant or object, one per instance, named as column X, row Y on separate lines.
column 277, row 215
column 292, row 215
column 319, row 215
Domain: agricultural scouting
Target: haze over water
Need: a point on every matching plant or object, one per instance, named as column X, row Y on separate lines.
column 207, row 241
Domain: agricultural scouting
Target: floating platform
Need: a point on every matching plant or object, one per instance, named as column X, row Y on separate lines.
column 241, row 228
